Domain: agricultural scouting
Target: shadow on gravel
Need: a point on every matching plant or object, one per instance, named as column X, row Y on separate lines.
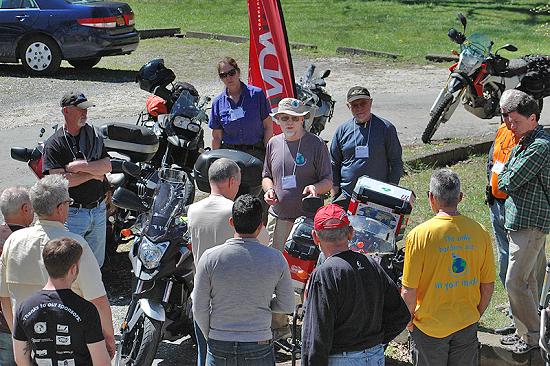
column 68, row 73
column 118, row 278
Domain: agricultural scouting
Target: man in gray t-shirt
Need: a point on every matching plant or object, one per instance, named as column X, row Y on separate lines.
column 237, row 286
column 297, row 164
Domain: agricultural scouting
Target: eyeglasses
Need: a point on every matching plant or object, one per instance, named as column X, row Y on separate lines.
column 70, row 201
column 231, row 72
column 287, row 118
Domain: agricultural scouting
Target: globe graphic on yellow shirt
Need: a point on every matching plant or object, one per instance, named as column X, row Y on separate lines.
column 459, row 264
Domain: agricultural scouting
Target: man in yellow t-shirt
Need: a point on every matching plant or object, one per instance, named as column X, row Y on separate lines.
column 448, row 278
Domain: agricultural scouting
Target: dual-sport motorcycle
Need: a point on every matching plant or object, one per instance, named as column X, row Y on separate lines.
column 144, row 144
column 310, row 90
column 480, row 77
column 161, row 256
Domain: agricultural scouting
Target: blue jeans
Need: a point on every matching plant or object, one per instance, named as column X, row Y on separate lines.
column 6, row 350
column 91, row 224
column 201, row 346
column 497, row 220
column 370, row 357
column 226, row 353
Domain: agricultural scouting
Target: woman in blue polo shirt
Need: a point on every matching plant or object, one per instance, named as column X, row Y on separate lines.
column 240, row 117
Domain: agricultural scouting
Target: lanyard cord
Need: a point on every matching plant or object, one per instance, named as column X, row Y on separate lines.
column 297, row 152
column 71, row 145
column 354, row 133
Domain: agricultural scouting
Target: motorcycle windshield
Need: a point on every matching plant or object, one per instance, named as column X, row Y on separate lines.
column 371, row 236
column 167, row 208
column 478, row 45
column 185, row 106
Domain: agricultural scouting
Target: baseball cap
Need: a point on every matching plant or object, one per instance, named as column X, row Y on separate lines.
column 290, row 106
column 358, row 92
column 330, row 217
column 76, row 99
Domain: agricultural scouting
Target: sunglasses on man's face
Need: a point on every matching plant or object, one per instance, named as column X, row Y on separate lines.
column 289, row 118
column 231, row 72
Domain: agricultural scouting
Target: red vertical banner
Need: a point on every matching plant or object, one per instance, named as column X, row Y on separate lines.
column 270, row 63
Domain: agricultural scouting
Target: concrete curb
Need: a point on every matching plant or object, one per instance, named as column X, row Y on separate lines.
column 441, row 58
column 237, row 39
column 360, row 51
column 156, row 33
column 453, row 153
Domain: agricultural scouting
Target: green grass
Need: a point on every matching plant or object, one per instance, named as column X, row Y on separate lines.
column 412, row 28
column 473, row 177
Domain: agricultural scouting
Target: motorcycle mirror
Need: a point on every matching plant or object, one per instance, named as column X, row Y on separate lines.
column 510, row 47
column 456, row 36
column 325, row 74
column 128, row 200
column 21, row 154
column 462, row 19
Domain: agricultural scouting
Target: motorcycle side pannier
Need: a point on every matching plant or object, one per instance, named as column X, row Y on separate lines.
column 251, row 170
column 137, row 142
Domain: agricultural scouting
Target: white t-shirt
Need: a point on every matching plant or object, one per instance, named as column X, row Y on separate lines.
column 209, row 226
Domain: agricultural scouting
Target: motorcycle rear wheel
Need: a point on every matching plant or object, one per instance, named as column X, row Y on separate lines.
column 141, row 344
column 435, row 120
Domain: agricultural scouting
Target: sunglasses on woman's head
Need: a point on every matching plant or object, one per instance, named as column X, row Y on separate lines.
column 231, row 72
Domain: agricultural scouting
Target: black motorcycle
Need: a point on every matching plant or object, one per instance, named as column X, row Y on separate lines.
column 162, row 263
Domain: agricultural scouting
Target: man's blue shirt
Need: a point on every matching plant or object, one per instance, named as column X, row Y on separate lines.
column 384, row 162
column 249, row 129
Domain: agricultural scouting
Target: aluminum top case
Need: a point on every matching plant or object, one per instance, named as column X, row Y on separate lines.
column 382, row 205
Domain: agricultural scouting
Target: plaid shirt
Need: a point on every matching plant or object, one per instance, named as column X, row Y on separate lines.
column 523, row 177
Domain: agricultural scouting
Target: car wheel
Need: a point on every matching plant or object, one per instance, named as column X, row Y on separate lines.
column 84, row 64
column 40, row 55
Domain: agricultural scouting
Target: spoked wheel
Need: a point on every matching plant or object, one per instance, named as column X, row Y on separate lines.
column 435, row 120
column 139, row 346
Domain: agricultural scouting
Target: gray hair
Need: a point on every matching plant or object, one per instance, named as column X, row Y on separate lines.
column 445, row 187
column 48, row 193
column 12, row 199
column 513, row 100
column 333, row 235
column 223, row 169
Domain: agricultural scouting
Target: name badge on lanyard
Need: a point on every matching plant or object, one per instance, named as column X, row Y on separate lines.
column 497, row 167
column 289, row 182
column 236, row 113
column 362, row 152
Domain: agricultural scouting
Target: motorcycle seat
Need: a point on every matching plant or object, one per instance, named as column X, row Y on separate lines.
column 517, row 66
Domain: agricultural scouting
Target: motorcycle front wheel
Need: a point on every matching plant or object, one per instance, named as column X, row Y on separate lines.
column 435, row 120
column 139, row 346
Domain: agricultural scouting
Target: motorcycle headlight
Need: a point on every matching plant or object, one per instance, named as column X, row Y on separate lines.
column 181, row 122
column 151, row 253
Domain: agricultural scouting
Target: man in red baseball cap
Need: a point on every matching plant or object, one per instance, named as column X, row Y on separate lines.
column 353, row 308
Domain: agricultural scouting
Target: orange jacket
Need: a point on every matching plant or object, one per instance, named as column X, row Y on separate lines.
column 502, row 147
